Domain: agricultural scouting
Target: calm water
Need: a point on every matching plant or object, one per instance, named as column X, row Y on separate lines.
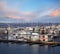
column 8, row 48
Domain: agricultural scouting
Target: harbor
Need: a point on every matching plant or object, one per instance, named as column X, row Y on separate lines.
column 47, row 35
column 29, row 26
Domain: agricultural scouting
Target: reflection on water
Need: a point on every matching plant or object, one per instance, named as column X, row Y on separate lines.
column 13, row 48
column 35, row 49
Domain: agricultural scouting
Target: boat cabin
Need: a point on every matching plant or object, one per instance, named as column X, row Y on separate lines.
column 46, row 37
column 34, row 37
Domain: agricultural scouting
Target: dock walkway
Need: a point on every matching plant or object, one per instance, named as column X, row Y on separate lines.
column 33, row 42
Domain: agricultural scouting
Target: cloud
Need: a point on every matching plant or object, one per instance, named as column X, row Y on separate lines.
column 44, row 13
column 13, row 12
column 2, row 5
column 55, row 13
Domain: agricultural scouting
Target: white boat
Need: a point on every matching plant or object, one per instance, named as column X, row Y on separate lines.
column 34, row 37
column 46, row 37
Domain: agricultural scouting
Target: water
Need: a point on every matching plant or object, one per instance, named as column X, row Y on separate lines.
column 8, row 48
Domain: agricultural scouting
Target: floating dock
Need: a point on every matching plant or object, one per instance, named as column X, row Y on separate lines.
column 33, row 42
column 51, row 43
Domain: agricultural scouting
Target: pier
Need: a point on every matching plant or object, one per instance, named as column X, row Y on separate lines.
column 31, row 42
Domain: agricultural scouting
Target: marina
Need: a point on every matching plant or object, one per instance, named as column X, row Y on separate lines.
column 30, row 42
column 29, row 26
column 46, row 35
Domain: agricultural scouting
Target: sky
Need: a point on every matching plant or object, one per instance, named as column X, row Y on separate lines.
column 21, row 11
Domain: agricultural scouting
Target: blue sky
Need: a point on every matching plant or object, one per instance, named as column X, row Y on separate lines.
column 16, row 11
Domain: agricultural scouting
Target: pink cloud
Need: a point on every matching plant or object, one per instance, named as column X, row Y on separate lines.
column 26, row 16
column 11, row 12
column 3, row 5
column 13, row 16
column 55, row 13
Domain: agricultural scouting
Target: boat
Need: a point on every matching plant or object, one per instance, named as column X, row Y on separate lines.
column 35, row 37
column 46, row 37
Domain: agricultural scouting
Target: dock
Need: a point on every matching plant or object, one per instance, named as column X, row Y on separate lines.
column 45, row 35
column 33, row 42
column 51, row 43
